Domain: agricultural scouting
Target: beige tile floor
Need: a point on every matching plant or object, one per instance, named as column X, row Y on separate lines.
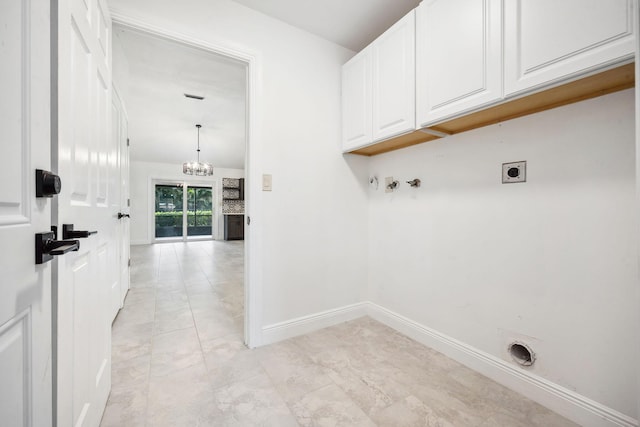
column 178, row 360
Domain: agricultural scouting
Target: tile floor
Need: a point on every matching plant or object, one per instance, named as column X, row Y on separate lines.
column 178, row 360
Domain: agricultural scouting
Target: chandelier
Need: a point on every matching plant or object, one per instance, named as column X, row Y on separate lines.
column 197, row 168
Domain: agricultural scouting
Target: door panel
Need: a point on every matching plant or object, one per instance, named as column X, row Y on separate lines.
column 15, row 339
column 393, row 77
column 199, row 211
column 125, row 222
column 458, row 57
column 356, row 101
column 25, row 302
column 119, row 188
column 104, row 34
column 89, row 200
column 77, row 143
column 13, row 84
column 103, row 149
column 169, row 215
column 548, row 40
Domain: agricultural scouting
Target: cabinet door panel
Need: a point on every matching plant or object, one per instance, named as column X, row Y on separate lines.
column 458, row 52
column 393, row 58
column 356, row 101
column 550, row 40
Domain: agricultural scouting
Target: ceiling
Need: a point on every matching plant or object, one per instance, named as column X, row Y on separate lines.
column 349, row 23
column 162, row 121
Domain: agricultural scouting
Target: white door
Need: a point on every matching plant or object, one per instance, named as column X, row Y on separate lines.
column 87, row 163
column 458, row 57
column 393, row 80
column 550, row 40
column 119, row 134
column 25, row 302
column 356, row 101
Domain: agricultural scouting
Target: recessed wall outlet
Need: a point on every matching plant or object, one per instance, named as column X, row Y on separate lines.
column 514, row 172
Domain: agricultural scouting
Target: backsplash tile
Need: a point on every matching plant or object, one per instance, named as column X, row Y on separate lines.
column 233, row 206
column 230, row 193
column 231, row 182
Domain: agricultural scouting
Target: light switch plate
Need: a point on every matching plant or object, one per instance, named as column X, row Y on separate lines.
column 267, row 182
column 514, row 172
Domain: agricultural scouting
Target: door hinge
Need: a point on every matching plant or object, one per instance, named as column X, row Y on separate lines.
column 129, row 263
column 248, row 220
column 128, row 142
column 128, row 203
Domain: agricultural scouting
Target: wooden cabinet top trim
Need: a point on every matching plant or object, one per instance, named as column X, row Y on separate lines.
column 605, row 82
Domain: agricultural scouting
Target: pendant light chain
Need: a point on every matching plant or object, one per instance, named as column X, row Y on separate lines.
column 198, row 126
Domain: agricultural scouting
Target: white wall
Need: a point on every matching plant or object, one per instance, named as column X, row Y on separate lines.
column 552, row 261
column 142, row 195
column 314, row 228
column 120, row 74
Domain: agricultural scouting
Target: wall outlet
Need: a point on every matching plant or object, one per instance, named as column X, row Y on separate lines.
column 514, row 172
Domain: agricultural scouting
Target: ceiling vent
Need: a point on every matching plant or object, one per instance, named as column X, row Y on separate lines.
column 199, row 98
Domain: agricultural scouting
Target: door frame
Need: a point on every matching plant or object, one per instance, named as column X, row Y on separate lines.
column 253, row 162
column 636, row 30
column 185, row 184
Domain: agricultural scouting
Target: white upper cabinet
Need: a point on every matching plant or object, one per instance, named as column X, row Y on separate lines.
column 356, row 101
column 458, row 57
column 444, row 64
column 378, row 88
column 548, row 41
column 393, row 74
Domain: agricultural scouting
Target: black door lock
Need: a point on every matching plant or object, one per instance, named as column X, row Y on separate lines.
column 123, row 215
column 47, row 246
column 69, row 233
column 48, row 184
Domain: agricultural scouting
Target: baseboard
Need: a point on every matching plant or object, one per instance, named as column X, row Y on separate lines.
column 580, row 409
column 565, row 402
column 138, row 242
column 303, row 325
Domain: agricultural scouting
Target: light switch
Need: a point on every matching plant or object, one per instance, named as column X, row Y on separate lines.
column 266, row 182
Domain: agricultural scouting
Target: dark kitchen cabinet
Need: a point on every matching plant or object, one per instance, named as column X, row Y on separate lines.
column 234, row 227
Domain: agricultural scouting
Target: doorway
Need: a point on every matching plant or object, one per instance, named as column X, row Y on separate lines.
column 249, row 163
column 183, row 211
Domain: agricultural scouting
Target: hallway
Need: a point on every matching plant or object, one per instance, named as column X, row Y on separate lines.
column 178, row 360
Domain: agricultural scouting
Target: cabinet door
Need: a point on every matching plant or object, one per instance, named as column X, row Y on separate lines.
column 549, row 41
column 356, row 101
column 459, row 57
column 393, row 60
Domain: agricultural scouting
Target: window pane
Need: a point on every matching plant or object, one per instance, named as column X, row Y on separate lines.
column 199, row 211
column 168, row 210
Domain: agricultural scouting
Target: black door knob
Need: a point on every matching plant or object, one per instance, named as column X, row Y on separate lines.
column 123, row 215
column 48, row 184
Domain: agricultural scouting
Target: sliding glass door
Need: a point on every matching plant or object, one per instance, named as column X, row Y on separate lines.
column 183, row 211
